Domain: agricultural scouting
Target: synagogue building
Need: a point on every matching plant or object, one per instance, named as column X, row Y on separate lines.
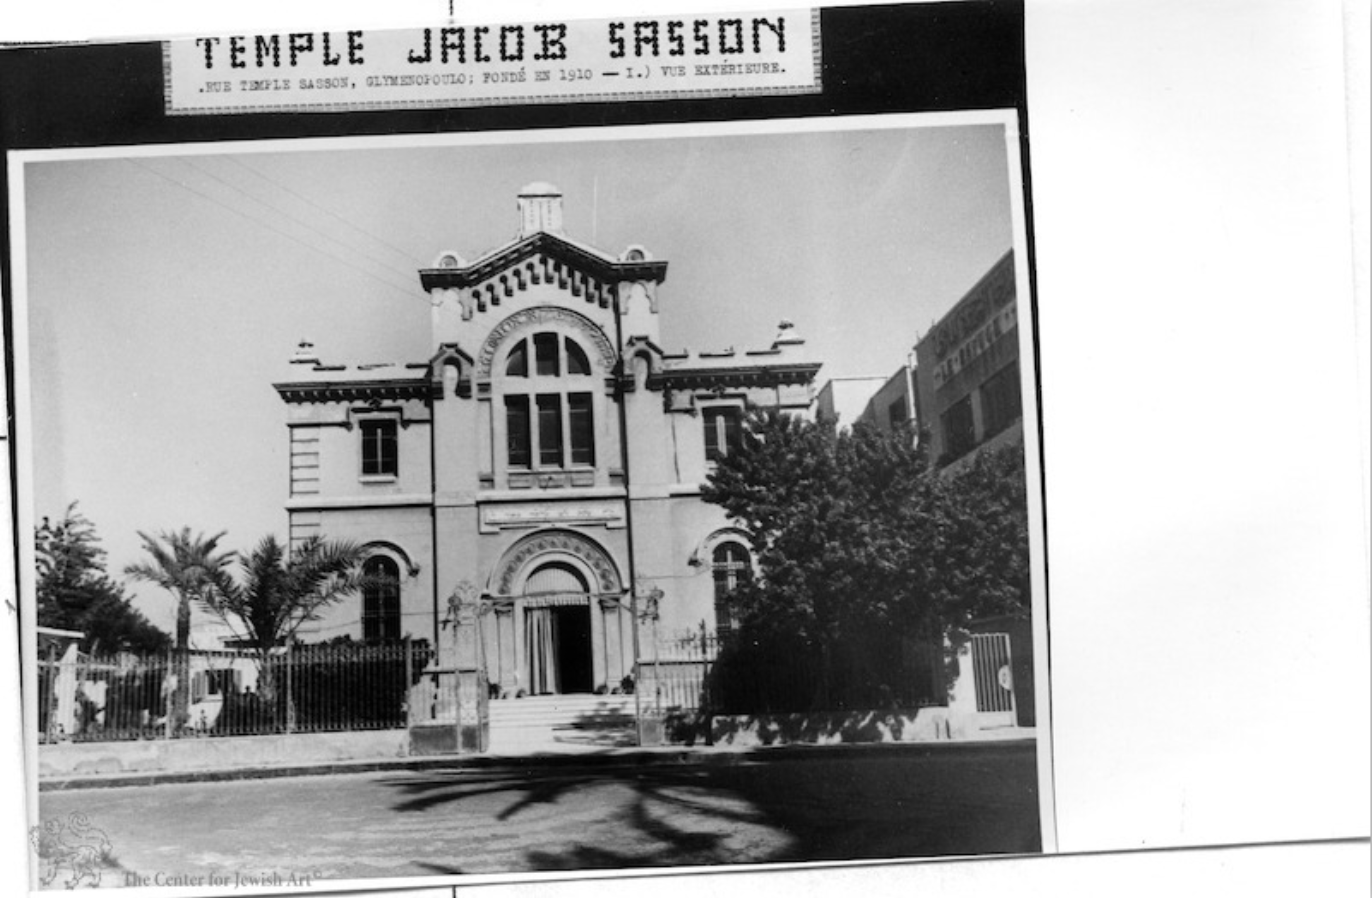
column 547, row 455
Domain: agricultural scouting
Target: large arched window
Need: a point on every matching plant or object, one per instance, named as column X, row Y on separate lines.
column 549, row 422
column 380, row 599
column 731, row 568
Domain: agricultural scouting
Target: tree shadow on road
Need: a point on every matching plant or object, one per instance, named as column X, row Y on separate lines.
column 764, row 807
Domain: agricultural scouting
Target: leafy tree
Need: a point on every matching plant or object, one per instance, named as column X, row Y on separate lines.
column 983, row 568
column 74, row 593
column 279, row 590
column 860, row 545
column 188, row 566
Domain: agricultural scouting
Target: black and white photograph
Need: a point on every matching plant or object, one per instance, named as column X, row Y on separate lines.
column 602, row 498
column 562, row 451
column 605, row 499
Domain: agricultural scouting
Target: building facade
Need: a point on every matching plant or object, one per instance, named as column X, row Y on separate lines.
column 967, row 382
column 548, row 455
column 842, row 400
column 967, row 372
column 893, row 403
column 964, row 394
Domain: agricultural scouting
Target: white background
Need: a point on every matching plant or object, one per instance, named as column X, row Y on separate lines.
column 1205, row 403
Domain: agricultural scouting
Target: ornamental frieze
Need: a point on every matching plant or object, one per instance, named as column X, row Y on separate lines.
column 539, row 316
column 529, row 515
column 586, row 550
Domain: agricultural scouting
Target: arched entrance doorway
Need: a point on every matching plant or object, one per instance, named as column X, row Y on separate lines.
column 560, row 624
column 557, row 630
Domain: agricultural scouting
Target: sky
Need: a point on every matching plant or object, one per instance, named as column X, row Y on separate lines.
column 166, row 291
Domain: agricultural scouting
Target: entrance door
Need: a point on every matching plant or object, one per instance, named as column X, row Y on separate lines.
column 557, row 630
column 573, row 628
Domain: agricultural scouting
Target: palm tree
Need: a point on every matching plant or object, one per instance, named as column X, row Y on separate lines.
column 279, row 591
column 189, row 567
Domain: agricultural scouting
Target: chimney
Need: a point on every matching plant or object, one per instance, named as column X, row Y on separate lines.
column 540, row 209
column 305, row 354
column 786, row 335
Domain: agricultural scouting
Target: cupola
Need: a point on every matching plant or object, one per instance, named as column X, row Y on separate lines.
column 540, row 209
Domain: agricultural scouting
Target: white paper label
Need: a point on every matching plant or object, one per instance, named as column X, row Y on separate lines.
column 649, row 58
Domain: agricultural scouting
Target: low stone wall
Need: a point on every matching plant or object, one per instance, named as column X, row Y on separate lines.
column 832, row 728
column 80, row 759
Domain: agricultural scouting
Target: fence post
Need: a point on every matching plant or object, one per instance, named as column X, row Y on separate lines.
column 657, row 670
column 52, row 693
column 169, row 701
column 703, row 700
column 407, row 683
column 290, row 697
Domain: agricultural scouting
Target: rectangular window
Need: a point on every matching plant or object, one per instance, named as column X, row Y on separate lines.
column 545, row 355
column 581, row 429
column 379, row 456
column 550, row 430
column 959, row 434
column 723, row 431
column 517, row 431
column 221, row 682
column 1000, row 399
column 896, row 413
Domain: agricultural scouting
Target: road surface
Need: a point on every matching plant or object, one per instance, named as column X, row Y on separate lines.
column 768, row 806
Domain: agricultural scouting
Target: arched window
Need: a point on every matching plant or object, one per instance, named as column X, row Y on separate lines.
column 517, row 365
column 555, row 577
column 549, row 422
column 731, row 568
column 380, row 599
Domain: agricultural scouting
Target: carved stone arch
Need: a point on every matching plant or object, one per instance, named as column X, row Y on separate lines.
column 392, row 551
column 524, row 321
column 703, row 553
column 543, row 546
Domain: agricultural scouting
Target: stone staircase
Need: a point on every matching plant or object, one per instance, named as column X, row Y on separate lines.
column 561, row 723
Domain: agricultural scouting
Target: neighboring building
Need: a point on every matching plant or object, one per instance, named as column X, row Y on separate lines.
column 967, row 381
column 893, row 404
column 842, row 399
column 967, row 376
column 522, row 460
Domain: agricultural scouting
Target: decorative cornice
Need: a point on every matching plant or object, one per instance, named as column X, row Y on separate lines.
column 734, row 376
column 355, row 391
column 575, row 257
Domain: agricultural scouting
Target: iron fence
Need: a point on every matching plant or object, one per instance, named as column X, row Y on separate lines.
column 323, row 688
column 675, row 676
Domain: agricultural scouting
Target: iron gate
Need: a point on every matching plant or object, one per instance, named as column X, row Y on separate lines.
column 991, row 671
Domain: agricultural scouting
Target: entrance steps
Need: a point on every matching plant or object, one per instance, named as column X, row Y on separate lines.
column 561, row 723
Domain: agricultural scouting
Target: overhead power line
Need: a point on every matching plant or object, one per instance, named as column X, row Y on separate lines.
column 257, row 220
column 329, row 212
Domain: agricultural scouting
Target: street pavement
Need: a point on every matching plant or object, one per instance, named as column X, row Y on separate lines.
column 854, row 802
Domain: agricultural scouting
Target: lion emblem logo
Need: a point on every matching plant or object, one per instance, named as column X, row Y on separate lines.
column 71, row 844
